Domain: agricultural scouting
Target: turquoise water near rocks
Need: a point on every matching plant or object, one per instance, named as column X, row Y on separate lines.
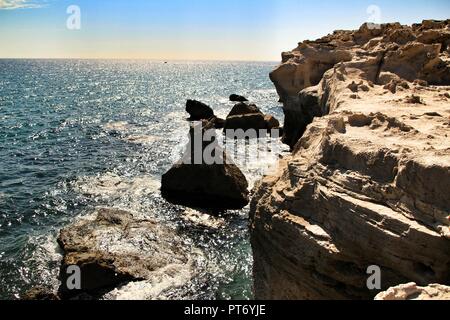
column 79, row 134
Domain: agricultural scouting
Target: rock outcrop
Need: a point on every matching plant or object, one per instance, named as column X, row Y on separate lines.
column 248, row 116
column 207, row 186
column 198, row 110
column 384, row 55
column 112, row 248
column 367, row 182
column 194, row 182
column 411, row 291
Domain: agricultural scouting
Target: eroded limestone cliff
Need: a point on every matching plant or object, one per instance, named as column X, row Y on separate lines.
column 368, row 182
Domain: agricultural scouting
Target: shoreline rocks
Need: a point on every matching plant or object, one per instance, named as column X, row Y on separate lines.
column 112, row 248
column 216, row 186
column 198, row 110
column 383, row 54
column 248, row 116
column 367, row 181
column 194, row 183
column 412, row 291
column 237, row 98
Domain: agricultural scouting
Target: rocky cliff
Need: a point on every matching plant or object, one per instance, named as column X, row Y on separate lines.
column 368, row 119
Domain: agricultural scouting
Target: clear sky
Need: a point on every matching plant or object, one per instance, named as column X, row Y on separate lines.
column 188, row 29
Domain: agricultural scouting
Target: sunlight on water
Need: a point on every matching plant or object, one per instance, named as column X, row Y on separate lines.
column 76, row 135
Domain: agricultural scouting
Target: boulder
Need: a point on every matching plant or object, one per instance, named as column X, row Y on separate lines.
column 216, row 186
column 412, row 291
column 271, row 122
column 237, row 98
column 194, row 182
column 198, row 110
column 243, row 109
column 245, row 122
column 244, row 116
column 112, row 248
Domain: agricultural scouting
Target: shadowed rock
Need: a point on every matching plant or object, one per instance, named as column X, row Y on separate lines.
column 198, row 110
column 237, row 98
column 249, row 116
column 194, row 182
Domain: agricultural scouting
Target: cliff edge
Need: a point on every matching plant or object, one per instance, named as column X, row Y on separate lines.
column 367, row 184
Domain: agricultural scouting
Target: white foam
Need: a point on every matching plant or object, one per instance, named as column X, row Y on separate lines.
column 113, row 185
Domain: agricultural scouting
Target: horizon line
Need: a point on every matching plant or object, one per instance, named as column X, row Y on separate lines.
column 142, row 59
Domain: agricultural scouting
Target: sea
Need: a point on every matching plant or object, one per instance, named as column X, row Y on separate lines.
column 76, row 135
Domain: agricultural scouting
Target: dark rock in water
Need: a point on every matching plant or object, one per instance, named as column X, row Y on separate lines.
column 243, row 109
column 218, row 122
column 112, row 248
column 40, row 294
column 245, row 122
column 198, row 110
column 216, row 186
column 237, row 98
column 195, row 182
column 271, row 122
column 244, row 116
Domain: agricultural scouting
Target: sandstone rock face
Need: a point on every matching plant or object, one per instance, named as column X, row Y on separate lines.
column 410, row 53
column 113, row 248
column 367, row 183
column 411, row 291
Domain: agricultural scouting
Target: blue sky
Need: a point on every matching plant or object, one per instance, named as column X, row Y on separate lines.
column 188, row 29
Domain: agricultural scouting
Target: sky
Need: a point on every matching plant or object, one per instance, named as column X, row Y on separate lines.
column 257, row 30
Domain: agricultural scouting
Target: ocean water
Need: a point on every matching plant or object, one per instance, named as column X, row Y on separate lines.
column 81, row 134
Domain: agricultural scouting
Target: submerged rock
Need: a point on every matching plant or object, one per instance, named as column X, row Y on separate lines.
column 237, row 98
column 367, row 183
column 113, row 248
column 412, row 291
column 198, row 110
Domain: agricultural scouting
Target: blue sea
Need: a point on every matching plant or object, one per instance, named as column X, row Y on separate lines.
column 80, row 134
